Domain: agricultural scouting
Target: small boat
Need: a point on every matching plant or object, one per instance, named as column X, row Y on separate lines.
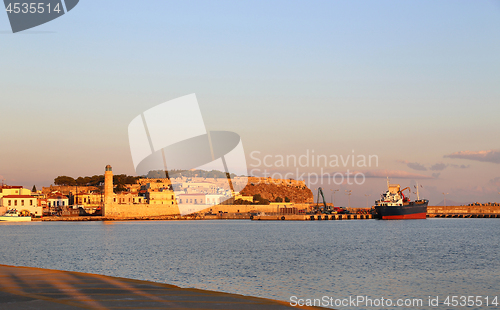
column 13, row 216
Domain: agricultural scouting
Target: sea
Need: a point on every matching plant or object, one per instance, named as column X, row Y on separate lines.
column 331, row 262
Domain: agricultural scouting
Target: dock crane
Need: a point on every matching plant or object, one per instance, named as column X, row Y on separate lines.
column 325, row 209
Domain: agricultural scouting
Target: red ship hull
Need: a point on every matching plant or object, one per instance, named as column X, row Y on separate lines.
column 415, row 216
column 415, row 210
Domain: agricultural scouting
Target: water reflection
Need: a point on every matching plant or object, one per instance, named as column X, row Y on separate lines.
column 393, row 259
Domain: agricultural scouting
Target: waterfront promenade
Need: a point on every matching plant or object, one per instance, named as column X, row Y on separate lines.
column 35, row 288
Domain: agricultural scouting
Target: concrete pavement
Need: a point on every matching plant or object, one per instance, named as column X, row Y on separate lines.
column 35, row 288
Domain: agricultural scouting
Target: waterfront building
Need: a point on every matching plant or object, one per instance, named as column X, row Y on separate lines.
column 166, row 197
column 214, row 199
column 42, row 203
column 89, row 202
column 25, row 204
column 128, row 198
column 57, row 200
column 192, row 199
column 237, row 196
column 6, row 190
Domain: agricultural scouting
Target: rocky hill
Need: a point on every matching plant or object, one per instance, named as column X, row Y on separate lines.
column 271, row 189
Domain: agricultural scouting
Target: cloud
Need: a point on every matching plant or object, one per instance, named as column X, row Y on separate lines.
column 490, row 156
column 394, row 174
column 438, row 167
column 416, row 166
column 436, row 175
column 495, row 181
column 460, row 166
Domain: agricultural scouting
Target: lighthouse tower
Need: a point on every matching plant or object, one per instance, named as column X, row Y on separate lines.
column 108, row 188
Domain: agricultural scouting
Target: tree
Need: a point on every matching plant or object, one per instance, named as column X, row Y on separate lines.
column 95, row 180
column 258, row 200
column 64, row 180
column 120, row 188
column 287, row 199
column 33, row 190
column 82, row 181
column 279, row 199
column 257, row 197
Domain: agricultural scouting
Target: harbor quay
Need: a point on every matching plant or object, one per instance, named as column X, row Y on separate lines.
column 470, row 211
column 197, row 196
column 222, row 216
column 36, row 288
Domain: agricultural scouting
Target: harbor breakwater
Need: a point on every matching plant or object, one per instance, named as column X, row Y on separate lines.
column 483, row 211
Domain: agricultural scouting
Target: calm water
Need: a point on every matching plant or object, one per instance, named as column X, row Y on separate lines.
column 390, row 259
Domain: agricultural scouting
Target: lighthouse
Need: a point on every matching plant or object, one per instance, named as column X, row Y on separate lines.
column 108, row 188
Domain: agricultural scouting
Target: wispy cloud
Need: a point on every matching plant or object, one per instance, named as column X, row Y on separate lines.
column 438, row 167
column 436, row 175
column 460, row 166
column 495, row 181
column 490, row 156
column 414, row 166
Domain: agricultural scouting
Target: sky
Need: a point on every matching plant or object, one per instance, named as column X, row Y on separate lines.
column 413, row 82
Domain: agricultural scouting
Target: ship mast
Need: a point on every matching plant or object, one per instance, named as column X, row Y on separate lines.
column 418, row 196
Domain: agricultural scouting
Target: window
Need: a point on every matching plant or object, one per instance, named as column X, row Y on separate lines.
column 10, row 203
column 15, row 202
column 31, row 202
column 22, row 202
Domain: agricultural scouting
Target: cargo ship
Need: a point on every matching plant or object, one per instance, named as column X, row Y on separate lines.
column 394, row 205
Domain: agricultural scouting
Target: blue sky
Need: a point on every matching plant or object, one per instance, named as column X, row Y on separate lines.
column 410, row 81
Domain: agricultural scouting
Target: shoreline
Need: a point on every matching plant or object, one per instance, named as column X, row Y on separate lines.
column 40, row 288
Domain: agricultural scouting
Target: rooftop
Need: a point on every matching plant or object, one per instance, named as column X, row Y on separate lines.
column 19, row 196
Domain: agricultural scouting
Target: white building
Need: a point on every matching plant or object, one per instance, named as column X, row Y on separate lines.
column 25, row 204
column 57, row 199
column 214, row 199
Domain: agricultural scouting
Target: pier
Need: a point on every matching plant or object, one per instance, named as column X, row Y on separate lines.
column 312, row 217
column 474, row 211
column 464, row 215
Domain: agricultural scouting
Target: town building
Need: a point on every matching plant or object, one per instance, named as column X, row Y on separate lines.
column 192, row 199
column 24, row 204
column 57, row 200
column 6, row 190
column 166, row 197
